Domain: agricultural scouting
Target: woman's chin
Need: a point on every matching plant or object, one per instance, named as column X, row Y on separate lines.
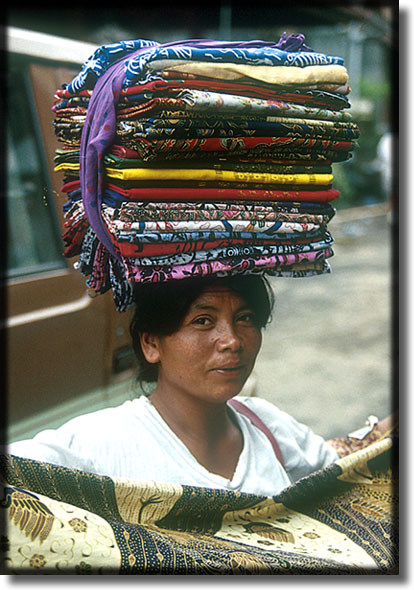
column 232, row 379
column 226, row 392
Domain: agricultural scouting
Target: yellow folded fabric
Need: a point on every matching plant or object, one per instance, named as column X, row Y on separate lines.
column 271, row 74
column 216, row 175
column 67, row 166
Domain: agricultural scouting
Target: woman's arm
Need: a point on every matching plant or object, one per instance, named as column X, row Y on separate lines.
column 388, row 424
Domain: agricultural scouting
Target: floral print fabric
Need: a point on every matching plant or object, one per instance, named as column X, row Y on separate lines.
column 342, row 520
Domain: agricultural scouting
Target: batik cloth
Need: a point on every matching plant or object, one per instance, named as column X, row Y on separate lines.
column 122, row 157
column 239, row 165
column 284, row 75
column 144, row 228
column 269, row 147
column 137, row 55
column 341, row 520
column 203, row 101
column 242, row 264
column 212, row 225
column 206, row 174
column 220, row 127
column 185, row 252
column 239, row 124
column 99, row 127
column 226, row 252
column 208, row 211
column 266, row 175
column 70, row 129
column 189, row 194
column 328, row 97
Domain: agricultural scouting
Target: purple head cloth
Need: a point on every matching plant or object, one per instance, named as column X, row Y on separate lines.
column 295, row 42
column 100, row 125
column 97, row 135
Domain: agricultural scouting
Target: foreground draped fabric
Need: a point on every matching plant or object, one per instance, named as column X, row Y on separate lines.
column 338, row 521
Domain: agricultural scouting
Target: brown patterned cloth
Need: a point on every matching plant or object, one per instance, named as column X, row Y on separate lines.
column 341, row 520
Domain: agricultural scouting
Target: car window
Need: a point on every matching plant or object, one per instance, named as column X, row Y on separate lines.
column 33, row 238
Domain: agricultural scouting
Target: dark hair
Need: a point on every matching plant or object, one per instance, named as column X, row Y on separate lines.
column 160, row 308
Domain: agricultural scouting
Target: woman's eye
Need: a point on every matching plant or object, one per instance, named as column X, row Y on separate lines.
column 202, row 321
column 247, row 318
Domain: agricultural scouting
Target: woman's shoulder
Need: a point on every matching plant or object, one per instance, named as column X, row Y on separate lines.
column 303, row 450
column 82, row 440
column 92, row 425
column 113, row 417
column 262, row 407
column 273, row 417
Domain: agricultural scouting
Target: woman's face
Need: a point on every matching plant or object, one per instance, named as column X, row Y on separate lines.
column 212, row 353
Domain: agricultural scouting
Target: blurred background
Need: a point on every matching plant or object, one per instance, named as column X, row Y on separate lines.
column 328, row 354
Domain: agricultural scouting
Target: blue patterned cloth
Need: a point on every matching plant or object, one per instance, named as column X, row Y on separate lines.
column 103, row 57
column 261, row 53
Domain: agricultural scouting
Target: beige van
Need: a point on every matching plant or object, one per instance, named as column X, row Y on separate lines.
column 67, row 352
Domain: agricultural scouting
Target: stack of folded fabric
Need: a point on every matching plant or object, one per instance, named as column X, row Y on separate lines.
column 201, row 157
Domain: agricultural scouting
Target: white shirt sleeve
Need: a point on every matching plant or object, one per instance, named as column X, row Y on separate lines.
column 49, row 448
column 56, row 446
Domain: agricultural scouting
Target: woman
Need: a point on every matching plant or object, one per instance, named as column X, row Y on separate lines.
column 197, row 339
column 150, row 219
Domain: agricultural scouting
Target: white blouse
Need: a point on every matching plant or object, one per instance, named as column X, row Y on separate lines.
column 133, row 441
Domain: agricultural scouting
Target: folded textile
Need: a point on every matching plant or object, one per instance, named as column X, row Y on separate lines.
column 213, row 174
column 283, row 75
column 254, row 165
column 225, row 252
column 202, row 101
column 269, row 227
column 189, row 194
column 189, row 237
column 113, row 163
column 257, row 146
column 215, row 127
column 295, row 154
column 236, row 265
column 138, row 55
column 201, row 157
column 328, row 96
column 204, row 210
column 123, row 157
column 156, row 253
column 129, row 130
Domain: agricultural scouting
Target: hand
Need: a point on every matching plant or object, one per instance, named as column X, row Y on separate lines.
column 387, row 424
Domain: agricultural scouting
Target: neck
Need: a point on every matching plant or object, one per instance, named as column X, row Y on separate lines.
column 191, row 418
column 206, row 429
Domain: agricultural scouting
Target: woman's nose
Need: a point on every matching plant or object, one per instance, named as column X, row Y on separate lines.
column 228, row 338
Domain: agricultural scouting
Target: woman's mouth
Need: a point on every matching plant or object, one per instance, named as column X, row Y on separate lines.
column 229, row 370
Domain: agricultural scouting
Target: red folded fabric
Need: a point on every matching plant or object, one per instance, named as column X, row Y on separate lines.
column 225, row 194
column 232, row 146
column 68, row 187
column 214, row 194
column 130, row 250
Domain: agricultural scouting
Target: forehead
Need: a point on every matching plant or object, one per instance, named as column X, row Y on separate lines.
column 218, row 296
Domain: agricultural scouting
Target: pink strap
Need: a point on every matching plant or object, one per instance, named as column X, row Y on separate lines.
column 259, row 424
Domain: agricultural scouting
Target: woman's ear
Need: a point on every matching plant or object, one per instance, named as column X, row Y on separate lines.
column 150, row 347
